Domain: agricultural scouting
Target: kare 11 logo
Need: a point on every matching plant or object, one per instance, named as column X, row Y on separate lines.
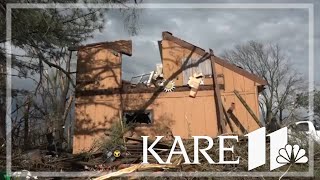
column 281, row 153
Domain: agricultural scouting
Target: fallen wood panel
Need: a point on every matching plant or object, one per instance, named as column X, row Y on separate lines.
column 247, row 107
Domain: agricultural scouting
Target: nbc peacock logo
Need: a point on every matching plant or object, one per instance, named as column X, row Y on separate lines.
column 292, row 155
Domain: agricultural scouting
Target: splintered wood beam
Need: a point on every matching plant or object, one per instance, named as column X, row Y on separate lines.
column 247, row 107
column 217, row 95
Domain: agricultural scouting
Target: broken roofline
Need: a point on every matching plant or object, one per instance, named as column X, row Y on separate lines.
column 168, row 36
column 121, row 46
column 125, row 47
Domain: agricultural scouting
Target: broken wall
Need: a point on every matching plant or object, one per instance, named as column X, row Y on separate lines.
column 99, row 70
column 173, row 56
column 230, row 78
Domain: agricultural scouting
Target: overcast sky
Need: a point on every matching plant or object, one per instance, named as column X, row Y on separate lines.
column 219, row 29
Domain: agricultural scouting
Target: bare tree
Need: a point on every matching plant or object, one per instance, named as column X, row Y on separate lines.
column 56, row 96
column 44, row 35
column 283, row 82
column 26, row 122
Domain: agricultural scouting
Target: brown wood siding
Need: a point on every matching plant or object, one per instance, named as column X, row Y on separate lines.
column 176, row 111
column 172, row 55
column 98, row 68
column 94, row 115
column 173, row 111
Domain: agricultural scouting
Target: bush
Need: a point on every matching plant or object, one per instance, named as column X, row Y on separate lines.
column 114, row 135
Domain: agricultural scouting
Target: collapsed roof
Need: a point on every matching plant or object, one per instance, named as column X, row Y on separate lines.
column 125, row 47
column 168, row 36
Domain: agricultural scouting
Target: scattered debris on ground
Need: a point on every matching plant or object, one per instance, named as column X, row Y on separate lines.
column 128, row 160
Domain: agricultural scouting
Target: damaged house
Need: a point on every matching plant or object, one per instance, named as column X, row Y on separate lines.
column 192, row 93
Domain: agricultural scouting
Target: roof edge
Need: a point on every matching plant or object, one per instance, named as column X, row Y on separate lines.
column 240, row 71
column 121, row 46
column 168, row 36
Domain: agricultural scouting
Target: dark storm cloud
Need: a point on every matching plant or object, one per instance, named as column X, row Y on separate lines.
column 212, row 28
column 219, row 29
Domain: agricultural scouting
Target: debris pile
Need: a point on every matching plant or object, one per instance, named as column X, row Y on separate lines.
column 128, row 160
column 151, row 79
column 155, row 79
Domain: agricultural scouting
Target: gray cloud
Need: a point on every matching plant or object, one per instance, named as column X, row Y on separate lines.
column 219, row 29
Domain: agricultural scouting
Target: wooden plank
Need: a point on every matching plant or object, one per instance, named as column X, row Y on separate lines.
column 217, row 94
column 228, row 119
column 247, row 107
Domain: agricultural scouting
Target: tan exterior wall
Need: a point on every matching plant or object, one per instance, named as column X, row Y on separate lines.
column 98, row 68
column 178, row 113
column 247, row 89
column 172, row 54
column 174, row 111
column 93, row 114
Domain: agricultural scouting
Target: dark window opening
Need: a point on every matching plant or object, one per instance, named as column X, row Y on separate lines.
column 142, row 117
